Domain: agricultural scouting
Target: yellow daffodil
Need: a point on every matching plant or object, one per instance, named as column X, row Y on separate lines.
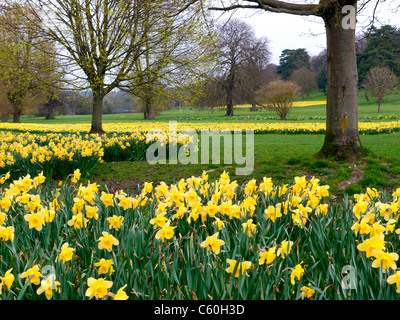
column 213, row 243
column 306, row 292
column 395, row 278
column 39, row 179
column 7, row 280
column 285, row 248
column 267, row 256
column 219, row 224
column 97, row 288
column 159, row 221
column 249, row 227
column 92, row 212
column 48, row 286
column 297, row 272
column 361, row 227
column 107, row 241
column 273, row 212
column 385, row 260
column 105, row 266
column 35, row 220
column 373, row 244
column 66, row 253
column 322, row 209
column 32, row 274
column 77, row 221
column 107, row 199
column 3, row 217
column 76, row 176
column 115, row 222
column 7, row 233
column 166, row 232
column 241, row 268
column 148, row 187
column 121, row 295
column 125, row 203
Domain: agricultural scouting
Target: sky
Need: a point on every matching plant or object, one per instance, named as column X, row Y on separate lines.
column 286, row 31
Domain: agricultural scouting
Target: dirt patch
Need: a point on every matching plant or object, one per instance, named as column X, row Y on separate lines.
column 128, row 185
column 355, row 176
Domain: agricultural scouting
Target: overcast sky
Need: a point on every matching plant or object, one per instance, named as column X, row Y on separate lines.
column 286, row 31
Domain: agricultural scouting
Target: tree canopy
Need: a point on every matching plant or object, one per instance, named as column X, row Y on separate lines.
column 382, row 50
column 292, row 60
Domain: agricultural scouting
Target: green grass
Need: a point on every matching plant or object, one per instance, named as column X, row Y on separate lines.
column 301, row 114
column 279, row 156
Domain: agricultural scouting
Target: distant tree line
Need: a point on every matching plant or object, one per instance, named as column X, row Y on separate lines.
column 245, row 74
column 175, row 57
column 156, row 52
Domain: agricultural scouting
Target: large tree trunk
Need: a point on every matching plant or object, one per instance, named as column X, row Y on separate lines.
column 229, row 108
column 97, row 125
column 342, row 139
column 149, row 109
column 4, row 114
column 49, row 108
column 17, row 111
column 229, row 101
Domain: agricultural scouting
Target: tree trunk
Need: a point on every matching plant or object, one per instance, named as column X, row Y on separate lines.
column 4, row 116
column 49, row 111
column 229, row 108
column 253, row 107
column 341, row 139
column 229, row 101
column 17, row 113
column 149, row 110
column 97, row 125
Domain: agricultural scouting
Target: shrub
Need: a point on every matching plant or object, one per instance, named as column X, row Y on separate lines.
column 279, row 96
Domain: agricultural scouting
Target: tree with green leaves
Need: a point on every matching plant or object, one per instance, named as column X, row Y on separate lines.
column 27, row 67
column 292, row 60
column 174, row 69
column 100, row 41
column 322, row 80
column 382, row 50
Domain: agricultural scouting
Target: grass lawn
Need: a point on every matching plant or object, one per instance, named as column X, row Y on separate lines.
column 278, row 156
column 391, row 107
column 281, row 157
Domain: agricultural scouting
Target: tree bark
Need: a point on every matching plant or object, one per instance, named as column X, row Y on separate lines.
column 149, row 110
column 49, row 108
column 229, row 94
column 4, row 116
column 17, row 113
column 97, row 125
column 341, row 139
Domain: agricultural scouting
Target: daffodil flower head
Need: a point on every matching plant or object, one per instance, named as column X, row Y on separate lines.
column 240, row 269
column 97, row 287
column 66, row 253
column 297, row 272
column 107, row 241
column 213, row 243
